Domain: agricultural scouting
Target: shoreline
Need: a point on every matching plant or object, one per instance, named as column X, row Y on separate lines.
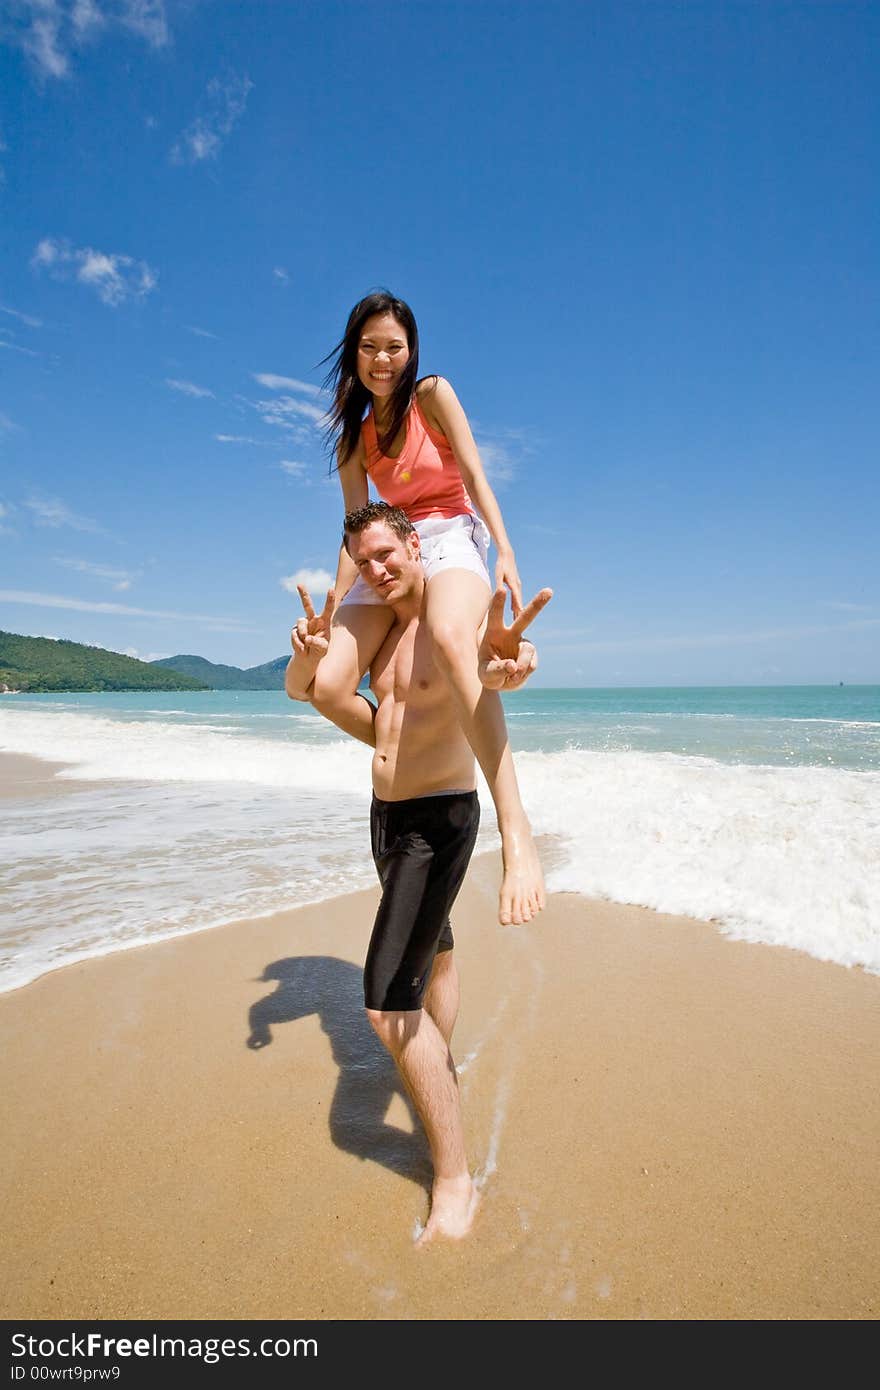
column 28, row 777
column 667, row 1124
column 23, row 776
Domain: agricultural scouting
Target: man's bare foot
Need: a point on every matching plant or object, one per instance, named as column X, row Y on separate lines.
column 522, row 885
column 454, row 1203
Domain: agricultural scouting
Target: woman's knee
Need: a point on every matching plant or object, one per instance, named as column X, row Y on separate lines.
column 454, row 640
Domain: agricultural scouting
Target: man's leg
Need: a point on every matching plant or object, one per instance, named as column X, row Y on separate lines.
column 442, row 994
column 422, row 848
column 425, row 1063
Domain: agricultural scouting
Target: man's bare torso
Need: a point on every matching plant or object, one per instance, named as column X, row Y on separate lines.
column 420, row 747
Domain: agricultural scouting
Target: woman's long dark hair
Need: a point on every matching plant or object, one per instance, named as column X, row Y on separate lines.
column 350, row 396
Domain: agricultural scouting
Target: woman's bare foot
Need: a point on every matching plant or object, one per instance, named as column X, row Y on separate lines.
column 522, row 885
column 454, row 1203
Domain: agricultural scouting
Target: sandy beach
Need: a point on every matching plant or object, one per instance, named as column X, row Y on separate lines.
column 666, row 1124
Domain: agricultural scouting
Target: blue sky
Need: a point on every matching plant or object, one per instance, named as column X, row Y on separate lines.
column 641, row 240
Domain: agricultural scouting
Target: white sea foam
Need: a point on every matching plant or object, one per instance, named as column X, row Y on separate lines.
column 787, row 856
column 128, row 863
column 103, row 749
column 202, row 825
column 489, row 1165
column 488, row 1032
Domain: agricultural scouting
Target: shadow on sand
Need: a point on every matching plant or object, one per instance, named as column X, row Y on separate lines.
column 368, row 1079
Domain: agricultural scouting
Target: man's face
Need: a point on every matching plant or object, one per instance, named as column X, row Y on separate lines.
column 389, row 564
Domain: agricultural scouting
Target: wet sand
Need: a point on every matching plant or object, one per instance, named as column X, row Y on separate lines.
column 667, row 1124
column 21, row 776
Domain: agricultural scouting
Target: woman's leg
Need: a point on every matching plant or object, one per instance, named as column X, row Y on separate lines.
column 456, row 605
column 359, row 630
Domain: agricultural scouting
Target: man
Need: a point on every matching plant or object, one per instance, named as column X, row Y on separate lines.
column 423, row 821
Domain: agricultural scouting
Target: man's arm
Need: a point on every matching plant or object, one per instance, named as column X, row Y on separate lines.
column 311, row 640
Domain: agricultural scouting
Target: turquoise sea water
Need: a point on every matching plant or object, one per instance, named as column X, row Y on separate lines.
column 790, row 725
column 787, row 724
column 756, row 808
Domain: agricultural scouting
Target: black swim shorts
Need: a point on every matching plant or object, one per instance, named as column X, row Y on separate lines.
column 422, row 848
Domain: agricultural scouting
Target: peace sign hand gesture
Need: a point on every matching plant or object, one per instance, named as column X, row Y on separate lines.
column 310, row 636
column 506, row 659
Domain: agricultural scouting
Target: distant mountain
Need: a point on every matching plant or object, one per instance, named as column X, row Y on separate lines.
column 41, row 663
column 269, row 676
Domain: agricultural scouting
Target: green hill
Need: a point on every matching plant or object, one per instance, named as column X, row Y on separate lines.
column 41, row 663
column 269, row 676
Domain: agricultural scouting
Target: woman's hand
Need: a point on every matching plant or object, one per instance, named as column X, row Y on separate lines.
column 507, row 576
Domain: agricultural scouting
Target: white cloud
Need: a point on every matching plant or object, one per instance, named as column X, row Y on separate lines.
column 284, row 410
column 14, row 347
column 6, row 423
column 51, row 511
column 292, row 467
column 496, row 460
column 47, row 253
column 848, row 607
column 146, row 18
column 285, row 383
column 50, row 31
column 86, row 15
column 237, row 439
column 188, row 388
column 120, row 579
column 41, row 44
column 224, row 104
column 135, row 654
column 316, row 581
column 503, row 451
column 114, row 277
column 23, row 318
column 202, row 333
column 281, row 274
column 81, row 606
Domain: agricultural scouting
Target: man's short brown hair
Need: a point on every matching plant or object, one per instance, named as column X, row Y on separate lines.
column 362, row 517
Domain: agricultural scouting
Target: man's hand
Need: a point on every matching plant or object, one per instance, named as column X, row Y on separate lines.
column 506, row 659
column 310, row 636
column 310, row 639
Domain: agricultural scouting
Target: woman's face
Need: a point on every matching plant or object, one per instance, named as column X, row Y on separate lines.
column 383, row 352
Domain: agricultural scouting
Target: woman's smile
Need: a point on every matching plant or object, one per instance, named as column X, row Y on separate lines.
column 382, row 338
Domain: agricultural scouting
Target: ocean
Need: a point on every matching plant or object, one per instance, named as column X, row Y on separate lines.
column 757, row 810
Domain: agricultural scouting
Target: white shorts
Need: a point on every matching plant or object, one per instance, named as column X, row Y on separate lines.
column 447, row 543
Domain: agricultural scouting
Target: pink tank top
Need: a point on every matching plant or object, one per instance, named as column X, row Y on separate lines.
column 424, row 480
